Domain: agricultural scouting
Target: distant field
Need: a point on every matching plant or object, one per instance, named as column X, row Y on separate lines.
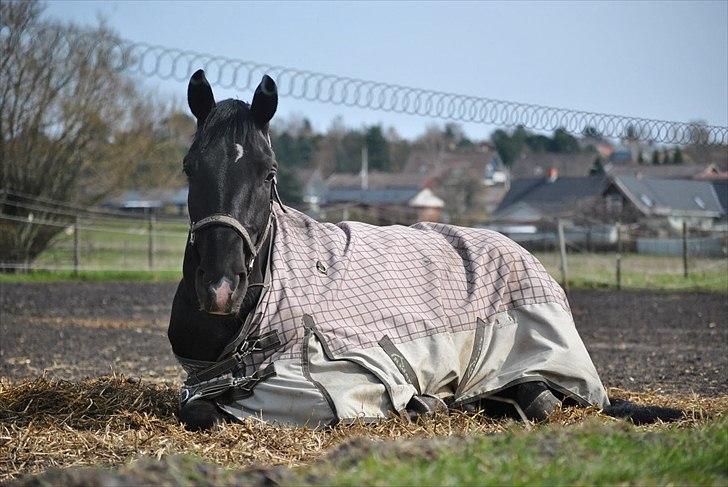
column 119, row 250
column 119, row 246
column 638, row 271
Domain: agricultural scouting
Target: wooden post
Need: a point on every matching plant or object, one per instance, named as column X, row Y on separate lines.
column 685, row 248
column 151, row 239
column 589, row 238
column 76, row 249
column 562, row 249
column 619, row 256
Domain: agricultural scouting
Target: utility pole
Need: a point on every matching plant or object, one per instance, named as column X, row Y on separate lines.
column 619, row 256
column 364, row 168
column 76, row 250
column 685, row 248
column 151, row 239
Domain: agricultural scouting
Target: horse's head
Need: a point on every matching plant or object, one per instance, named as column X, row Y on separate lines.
column 231, row 171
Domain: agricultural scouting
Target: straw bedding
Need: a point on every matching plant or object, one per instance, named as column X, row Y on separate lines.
column 109, row 420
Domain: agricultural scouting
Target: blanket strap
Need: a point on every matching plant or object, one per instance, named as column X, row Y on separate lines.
column 220, row 377
column 404, row 367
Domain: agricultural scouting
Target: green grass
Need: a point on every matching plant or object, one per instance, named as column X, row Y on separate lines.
column 591, row 270
column 118, row 250
column 92, row 276
column 589, row 454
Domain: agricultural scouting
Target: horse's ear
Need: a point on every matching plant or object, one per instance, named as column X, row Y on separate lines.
column 265, row 102
column 199, row 96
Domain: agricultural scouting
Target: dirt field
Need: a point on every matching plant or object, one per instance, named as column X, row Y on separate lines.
column 671, row 342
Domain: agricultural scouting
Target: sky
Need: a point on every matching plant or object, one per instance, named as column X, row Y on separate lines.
column 663, row 60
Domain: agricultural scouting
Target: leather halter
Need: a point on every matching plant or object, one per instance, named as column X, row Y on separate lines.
column 222, row 219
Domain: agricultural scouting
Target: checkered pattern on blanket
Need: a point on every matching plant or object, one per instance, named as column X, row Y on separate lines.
column 404, row 282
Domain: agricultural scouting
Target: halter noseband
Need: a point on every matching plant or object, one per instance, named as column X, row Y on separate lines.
column 221, row 219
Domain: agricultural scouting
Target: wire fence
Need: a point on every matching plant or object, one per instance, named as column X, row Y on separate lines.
column 631, row 256
column 170, row 63
column 600, row 255
column 86, row 239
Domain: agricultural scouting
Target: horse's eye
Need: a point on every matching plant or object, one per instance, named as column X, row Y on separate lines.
column 270, row 176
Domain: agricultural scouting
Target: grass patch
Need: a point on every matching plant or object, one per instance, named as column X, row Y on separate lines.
column 92, row 276
column 593, row 453
column 598, row 271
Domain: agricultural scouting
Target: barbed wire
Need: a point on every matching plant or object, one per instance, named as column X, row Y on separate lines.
column 170, row 63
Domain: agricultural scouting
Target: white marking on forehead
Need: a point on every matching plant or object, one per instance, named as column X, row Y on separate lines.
column 239, row 151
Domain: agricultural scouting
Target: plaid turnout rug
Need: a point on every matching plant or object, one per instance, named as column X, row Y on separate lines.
column 365, row 317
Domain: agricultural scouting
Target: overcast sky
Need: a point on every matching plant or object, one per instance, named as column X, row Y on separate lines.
column 665, row 60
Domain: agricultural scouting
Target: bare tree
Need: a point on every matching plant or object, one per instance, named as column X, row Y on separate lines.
column 72, row 125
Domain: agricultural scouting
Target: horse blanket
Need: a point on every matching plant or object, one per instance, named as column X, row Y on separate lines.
column 357, row 319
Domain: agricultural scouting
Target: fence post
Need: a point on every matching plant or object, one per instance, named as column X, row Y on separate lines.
column 685, row 248
column 619, row 256
column 589, row 238
column 151, row 239
column 76, row 250
column 562, row 249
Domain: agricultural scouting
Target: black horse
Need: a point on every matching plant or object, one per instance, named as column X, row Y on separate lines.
column 231, row 170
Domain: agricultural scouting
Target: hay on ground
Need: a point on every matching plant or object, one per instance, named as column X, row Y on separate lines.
column 109, row 420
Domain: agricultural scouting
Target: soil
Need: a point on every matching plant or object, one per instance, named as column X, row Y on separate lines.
column 639, row 340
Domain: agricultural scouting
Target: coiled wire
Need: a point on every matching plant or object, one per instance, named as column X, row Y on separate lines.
column 170, row 63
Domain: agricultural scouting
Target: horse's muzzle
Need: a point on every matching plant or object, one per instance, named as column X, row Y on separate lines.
column 221, row 297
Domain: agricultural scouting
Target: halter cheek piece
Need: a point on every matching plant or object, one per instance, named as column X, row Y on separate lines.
column 221, row 219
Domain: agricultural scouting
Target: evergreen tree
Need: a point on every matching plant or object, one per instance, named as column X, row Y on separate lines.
column 597, row 168
column 563, row 141
column 641, row 158
column 677, row 157
column 591, row 132
column 378, row 148
column 655, row 158
column 509, row 146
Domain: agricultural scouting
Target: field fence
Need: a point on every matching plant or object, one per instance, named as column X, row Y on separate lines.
column 90, row 239
column 631, row 256
column 596, row 256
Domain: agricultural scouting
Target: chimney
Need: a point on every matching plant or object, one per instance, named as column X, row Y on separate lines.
column 552, row 174
column 364, row 168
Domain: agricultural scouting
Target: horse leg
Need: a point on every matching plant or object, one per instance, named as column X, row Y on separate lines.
column 536, row 400
column 201, row 415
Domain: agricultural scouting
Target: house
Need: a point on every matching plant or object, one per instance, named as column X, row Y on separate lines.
column 157, row 201
column 667, row 171
column 529, row 212
column 375, row 197
column 536, row 164
column 541, row 199
column 470, row 182
column 721, row 191
column 664, row 203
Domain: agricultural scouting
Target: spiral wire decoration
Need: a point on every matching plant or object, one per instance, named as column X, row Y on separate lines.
column 169, row 63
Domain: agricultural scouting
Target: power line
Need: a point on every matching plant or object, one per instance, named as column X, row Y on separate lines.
column 46, row 205
column 177, row 64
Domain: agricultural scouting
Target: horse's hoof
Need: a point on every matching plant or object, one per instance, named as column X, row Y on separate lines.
column 424, row 405
column 536, row 400
column 200, row 415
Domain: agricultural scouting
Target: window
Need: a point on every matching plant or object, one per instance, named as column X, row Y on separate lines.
column 646, row 200
column 699, row 201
